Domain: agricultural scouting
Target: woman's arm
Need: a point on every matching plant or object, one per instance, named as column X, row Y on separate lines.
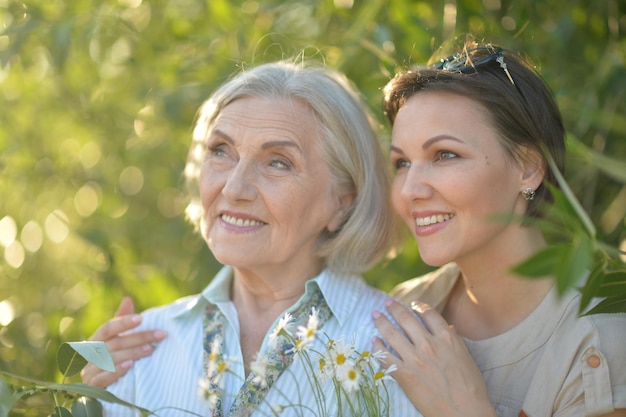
column 124, row 347
column 435, row 369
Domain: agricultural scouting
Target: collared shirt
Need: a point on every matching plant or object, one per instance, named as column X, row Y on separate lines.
column 167, row 382
column 553, row 363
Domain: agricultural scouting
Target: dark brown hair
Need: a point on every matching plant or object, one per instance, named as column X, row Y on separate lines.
column 516, row 99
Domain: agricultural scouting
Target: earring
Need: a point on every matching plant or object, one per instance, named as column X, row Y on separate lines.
column 528, row 194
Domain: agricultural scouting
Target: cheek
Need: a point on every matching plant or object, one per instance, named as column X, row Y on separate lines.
column 397, row 200
column 207, row 184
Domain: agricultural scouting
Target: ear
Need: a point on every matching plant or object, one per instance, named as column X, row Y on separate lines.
column 533, row 169
column 343, row 207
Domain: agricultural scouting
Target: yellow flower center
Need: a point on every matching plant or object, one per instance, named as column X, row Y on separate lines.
column 341, row 359
column 352, row 375
column 221, row 367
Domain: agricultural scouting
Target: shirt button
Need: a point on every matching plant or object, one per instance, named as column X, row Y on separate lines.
column 593, row 361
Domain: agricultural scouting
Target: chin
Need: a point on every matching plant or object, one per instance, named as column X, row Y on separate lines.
column 433, row 260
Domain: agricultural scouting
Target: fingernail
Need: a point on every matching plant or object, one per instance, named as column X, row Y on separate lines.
column 136, row 318
column 376, row 314
column 126, row 364
column 388, row 302
column 418, row 306
column 159, row 334
column 148, row 348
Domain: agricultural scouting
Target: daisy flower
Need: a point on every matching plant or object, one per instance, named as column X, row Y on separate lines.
column 384, row 374
column 259, row 369
column 206, row 393
column 283, row 328
column 340, row 355
column 307, row 334
column 349, row 376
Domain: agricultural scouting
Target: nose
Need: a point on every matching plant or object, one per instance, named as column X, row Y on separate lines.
column 240, row 183
column 415, row 184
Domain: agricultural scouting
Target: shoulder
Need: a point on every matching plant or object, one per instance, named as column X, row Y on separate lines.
column 178, row 309
column 586, row 359
column 432, row 288
column 598, row 340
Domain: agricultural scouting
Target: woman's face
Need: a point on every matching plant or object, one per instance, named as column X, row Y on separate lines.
column 266, row 190
column 452, row 176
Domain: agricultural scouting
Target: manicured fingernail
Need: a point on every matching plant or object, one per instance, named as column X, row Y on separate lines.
column 418, row 306
column 376, row 314
column 149, row 347
column 388, row 302
column 159, row 334
column 126, row 364
column 136, row 318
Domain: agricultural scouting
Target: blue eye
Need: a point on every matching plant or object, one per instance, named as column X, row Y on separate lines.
column 401, row 163
column 443, row 155
column 217, row 151
column 279, row 164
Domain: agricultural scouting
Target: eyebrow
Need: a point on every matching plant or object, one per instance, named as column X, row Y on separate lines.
column 430, row 142
column 265, row 145
column 217, row 132
column 279, row 143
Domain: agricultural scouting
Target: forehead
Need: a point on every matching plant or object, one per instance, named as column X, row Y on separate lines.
column 441, row 108
column 272, row 117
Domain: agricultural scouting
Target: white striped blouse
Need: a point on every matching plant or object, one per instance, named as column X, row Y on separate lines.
column 167, row 382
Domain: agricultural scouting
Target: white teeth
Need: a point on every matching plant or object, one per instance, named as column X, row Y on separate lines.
column 439, row 218
column 240, row 222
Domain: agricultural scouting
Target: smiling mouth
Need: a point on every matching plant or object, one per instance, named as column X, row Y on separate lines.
column 240, row 222
column 436, row 218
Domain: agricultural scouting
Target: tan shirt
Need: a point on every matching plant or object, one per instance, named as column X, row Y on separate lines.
column 553, row 363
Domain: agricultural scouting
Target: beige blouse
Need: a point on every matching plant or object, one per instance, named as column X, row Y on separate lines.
column 554, row 363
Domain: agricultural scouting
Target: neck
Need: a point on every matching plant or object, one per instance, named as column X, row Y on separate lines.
column 489, row 299
column 264, row 293
column 259, row 300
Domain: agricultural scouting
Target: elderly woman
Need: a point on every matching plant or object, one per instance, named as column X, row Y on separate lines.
column 292, row 188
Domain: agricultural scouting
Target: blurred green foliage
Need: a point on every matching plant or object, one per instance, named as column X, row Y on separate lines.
column 97, row 100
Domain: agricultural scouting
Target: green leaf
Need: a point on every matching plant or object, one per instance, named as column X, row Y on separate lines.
column 612, row 167
column 563, row 214
column 61, row 412
column 571, row 198
column 73, row 356
column 6, row 399
column 575, row 264
column 86, row 407
column 544, row 262
column 93, row 392
column 613, row 284
column 77, row 389
column 609, row 305
column 592, row 286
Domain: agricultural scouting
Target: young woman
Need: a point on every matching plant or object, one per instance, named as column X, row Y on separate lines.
column 470, row 141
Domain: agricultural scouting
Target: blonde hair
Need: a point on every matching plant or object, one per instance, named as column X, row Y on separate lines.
column 350, row 147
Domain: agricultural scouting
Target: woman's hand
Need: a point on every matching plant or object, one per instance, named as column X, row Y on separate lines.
column 124, row 347
column 435, row 369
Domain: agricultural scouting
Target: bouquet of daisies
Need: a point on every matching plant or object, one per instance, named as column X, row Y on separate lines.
column 342, row 379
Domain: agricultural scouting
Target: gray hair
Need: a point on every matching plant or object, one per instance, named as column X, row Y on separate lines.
column 350, row 147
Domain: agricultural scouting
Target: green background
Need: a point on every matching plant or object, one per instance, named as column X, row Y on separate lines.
column 97, row 100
